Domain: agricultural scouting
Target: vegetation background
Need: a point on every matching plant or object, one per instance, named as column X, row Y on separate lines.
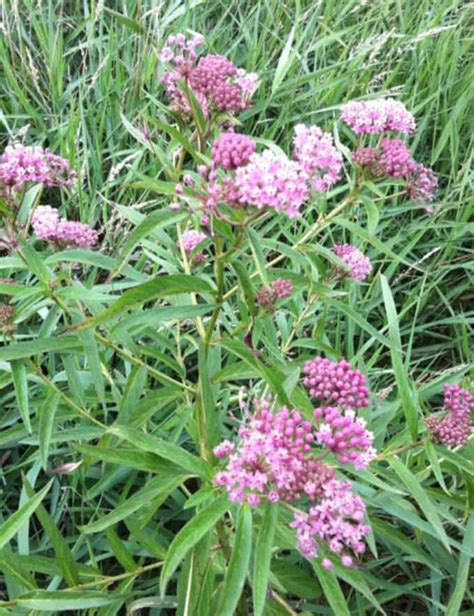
column 83, row 78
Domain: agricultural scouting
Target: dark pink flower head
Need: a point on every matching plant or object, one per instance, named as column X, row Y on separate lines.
column 454, row 427
column 272, row 180
column 282, row 288
column 396, row 159
column 231, row 150
column 358, row 264
column 20, row 164
column 422, row 185
column 219, row 80
column 271, row 459
column 378, row 116
column 317, row 155
column 49, row 227
column 335, row 383
column 337, row 521
column 345, row 435
column 457, row 400
column 366, row 157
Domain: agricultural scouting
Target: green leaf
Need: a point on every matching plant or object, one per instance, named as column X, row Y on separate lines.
column 20, row 350
column 46, row 424
column 164, row 449
column 21, row 391
column 263, row 555
column 238, row 565
column 420, row 496
column 155, row 488
column 189, row 535
column 64, row 555
column 284, row 62
column 163, row 286
column 463, row 572
column 64, row 601
column 95, row 369
column 403, row 383
column 128, row 22
column 331, row 589
column 13, row 524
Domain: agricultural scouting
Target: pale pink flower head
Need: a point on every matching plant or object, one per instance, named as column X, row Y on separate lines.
column 272, row 180
column 378, row 116
column 20, row 164
column 366, row 157
column 317, row 155
column 337, row 521
column 335, row 383
column 191, row 239
column 282, row 288
column 49, row 227
column 231, row 150
column 359, row 265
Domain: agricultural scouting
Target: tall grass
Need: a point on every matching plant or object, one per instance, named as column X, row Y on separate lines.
column 84, row 78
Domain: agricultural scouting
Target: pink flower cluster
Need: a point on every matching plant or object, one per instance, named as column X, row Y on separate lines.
column 453, row 429
column 271, row 459
column 378, row 116
column 396, row 159
column 317, row 155
column 273, row 180
column 279, row 289
column 20, row 164
column 337, row 520
column 231, row 150
column 191, row 240
column 336, row 383
column 215, row 81
column 422, row 185
column 358, row 264
column 49, row 227
column 345, row 435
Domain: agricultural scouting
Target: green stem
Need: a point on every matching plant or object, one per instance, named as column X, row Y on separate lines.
column 219, row 271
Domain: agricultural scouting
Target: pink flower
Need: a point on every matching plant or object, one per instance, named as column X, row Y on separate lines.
column 453, row 429
column 282, row 288
column 377, row 116
column 317, row 155
column 366, row 157
column 337, row 520
column 271, row 459
column 49, row 227
column 421, row 185
column 359, row 265
column 395, row 159
column 231, row 150
column 191, row 240
column 335, row 383
column 345, row 435
column 272, row 180
column 20, row 164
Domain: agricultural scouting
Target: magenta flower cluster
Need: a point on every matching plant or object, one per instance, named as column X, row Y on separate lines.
column 378, row 116
column 231, row 150
column 280, row 288
column 359, row 266
column 337, row 521
column 214, row 80
column 345, row 435
column 277, row 459
column 48, row 226
column 454, row 427
column 21, row 164
column 392, row 157
column 336, row 383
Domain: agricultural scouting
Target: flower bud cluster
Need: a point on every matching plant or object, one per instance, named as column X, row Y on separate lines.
column 359, row 266
column 454, row 427
column 49, row 227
